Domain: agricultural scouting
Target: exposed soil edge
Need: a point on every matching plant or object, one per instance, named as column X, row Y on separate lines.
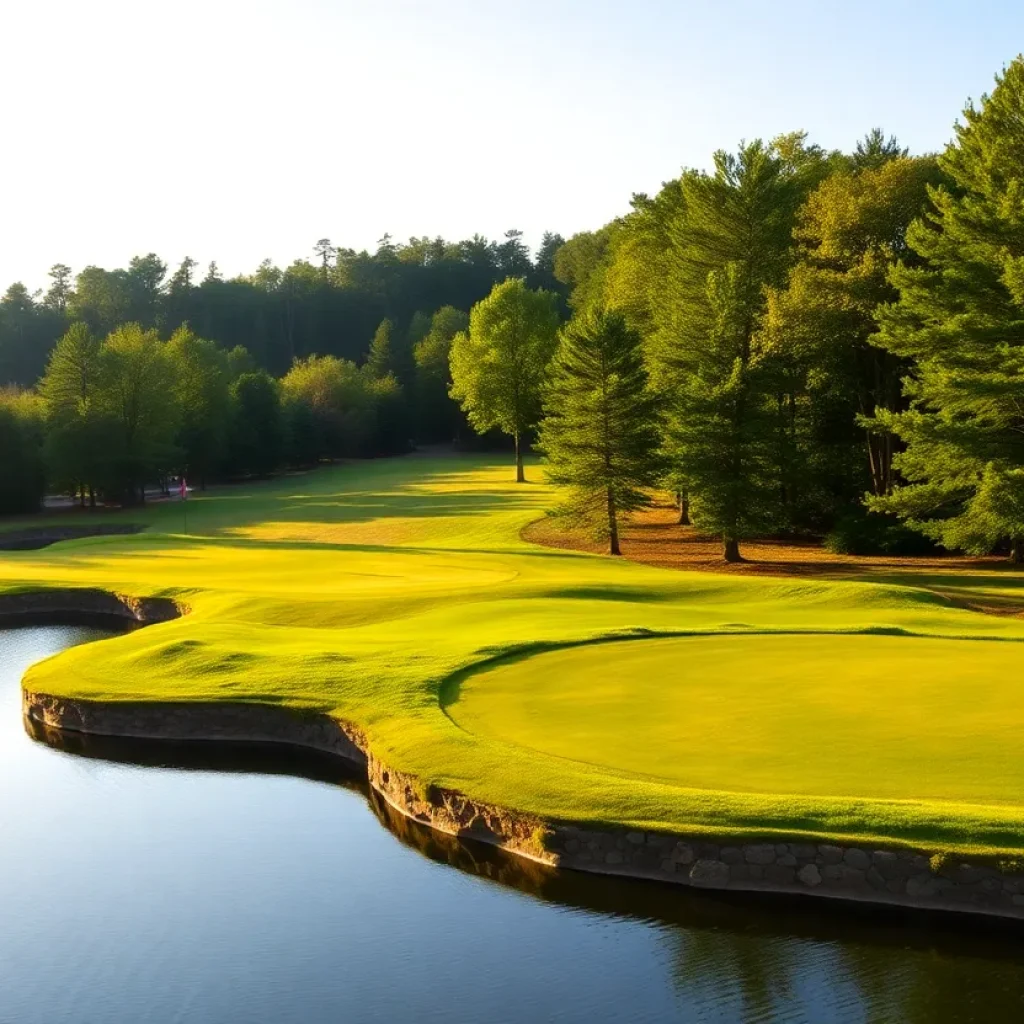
column 86, row 606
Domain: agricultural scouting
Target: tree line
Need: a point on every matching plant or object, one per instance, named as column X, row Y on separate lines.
column 328, row 305
column 113, row 415
column 115, row 379
column 797, row 341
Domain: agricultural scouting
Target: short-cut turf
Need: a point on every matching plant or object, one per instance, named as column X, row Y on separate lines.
column 399, row 595
column 785, row 714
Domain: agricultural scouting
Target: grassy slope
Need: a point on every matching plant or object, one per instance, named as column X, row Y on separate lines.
column 375, row 591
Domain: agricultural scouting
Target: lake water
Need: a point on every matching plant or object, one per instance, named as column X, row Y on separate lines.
column 209, row 887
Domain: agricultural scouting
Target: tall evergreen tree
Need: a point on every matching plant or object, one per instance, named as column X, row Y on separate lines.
column 601, row 431
column 730, row 239
column 498, row 365
column 390, row 354
column 875, row 150
column 75, row 445
column 960, row 318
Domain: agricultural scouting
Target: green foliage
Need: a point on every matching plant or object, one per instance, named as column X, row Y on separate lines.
column 729, row 239
column 77, row 430
column 23, row 476
column 201, row 381
column 329, row 408
column 960, row 320
column 391, row 416
column 380, row 360
column 820, row 327
column 858, row 533
column 135, row 398
column 438, row 418
column 27, row 332
column 256, row 429
column 498, row 365
column 601, row 430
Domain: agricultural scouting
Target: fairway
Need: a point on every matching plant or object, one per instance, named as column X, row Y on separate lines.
column 785, row 714
column 399, row 595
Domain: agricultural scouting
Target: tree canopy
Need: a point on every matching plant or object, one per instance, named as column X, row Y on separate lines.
column 498, row 366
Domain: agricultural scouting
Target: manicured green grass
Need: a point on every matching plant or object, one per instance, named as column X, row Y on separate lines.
column 779, row 714
column 389, row 593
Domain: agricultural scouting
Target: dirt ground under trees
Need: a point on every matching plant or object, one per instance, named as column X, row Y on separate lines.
column 654, row 537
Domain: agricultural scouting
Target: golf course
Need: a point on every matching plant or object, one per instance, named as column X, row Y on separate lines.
column 399, row 596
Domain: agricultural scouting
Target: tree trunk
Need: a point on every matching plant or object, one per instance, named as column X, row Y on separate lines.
column 613, row 526
column 684, row 508
column 731, row 549
column 1017, row 551
column 81, row 495
column 92, row 496
column 520, row 475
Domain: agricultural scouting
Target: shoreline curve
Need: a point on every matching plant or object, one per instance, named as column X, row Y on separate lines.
column 895, row 877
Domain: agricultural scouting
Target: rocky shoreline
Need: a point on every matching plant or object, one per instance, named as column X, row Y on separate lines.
column 900, row 877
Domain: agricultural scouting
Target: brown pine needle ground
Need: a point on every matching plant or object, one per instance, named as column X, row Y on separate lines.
column 654, row 537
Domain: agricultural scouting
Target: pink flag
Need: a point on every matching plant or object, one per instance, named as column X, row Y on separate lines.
column 184, row 489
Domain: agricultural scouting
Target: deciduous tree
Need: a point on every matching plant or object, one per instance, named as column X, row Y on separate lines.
column 498, row 365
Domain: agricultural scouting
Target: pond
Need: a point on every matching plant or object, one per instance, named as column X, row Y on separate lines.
column 201, row 885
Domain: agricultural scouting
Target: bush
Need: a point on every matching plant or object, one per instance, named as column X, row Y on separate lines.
column 864, row 533
column 23, row 478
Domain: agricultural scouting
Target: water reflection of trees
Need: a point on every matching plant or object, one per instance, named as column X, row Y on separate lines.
column 743, row 957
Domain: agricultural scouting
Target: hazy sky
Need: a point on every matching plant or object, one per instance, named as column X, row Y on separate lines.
column 240, row 129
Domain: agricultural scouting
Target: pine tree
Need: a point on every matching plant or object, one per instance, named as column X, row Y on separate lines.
column 601, row 431
column 960, row 318
column 75, row 441
column 729, row 239
column 379, row 358
column 390, row 354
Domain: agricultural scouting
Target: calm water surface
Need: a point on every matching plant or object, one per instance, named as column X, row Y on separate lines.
column 194, row 889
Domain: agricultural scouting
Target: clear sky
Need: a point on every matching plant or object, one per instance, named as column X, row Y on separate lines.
column 242, row 129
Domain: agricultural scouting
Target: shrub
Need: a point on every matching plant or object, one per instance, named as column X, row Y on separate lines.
column 23, row 479
column 863, row 533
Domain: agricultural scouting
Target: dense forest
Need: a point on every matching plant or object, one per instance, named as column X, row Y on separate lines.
column 798, row 341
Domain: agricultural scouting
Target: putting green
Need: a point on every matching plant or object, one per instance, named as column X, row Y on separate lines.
column 853, row 716
column 369, row 591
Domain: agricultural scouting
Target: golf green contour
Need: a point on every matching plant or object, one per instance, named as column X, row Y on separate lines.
column 398, row 597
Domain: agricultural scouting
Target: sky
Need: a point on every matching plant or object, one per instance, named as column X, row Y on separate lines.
column 237, row 131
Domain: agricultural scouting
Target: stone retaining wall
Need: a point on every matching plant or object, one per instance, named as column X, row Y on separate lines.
column 903, row 877
column 191, row 722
